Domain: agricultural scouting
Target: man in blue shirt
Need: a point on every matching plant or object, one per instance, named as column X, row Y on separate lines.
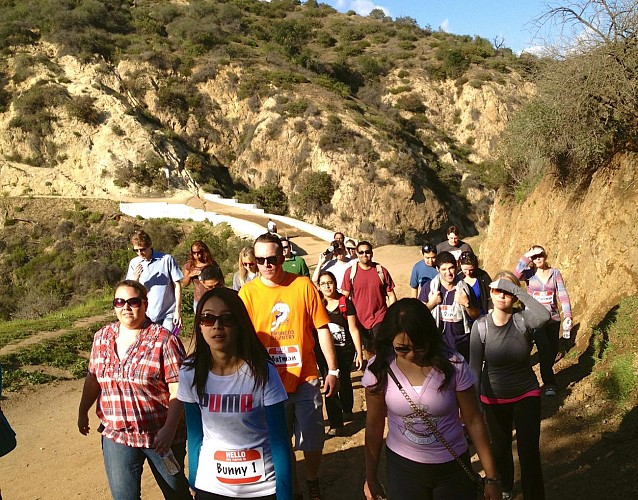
column 162, row 277
column 424, row 270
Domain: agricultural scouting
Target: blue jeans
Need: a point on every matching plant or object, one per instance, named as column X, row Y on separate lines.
column 124, row 466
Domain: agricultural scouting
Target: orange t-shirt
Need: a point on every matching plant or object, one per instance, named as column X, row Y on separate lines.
column 285, row 317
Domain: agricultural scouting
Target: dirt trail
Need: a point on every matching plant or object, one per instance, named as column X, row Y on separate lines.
column 582, row 458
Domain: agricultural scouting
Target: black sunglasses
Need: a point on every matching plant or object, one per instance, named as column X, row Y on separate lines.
column 208, row 319
column 365, row 252
column 404, row 349
column 134, row 302
column 428, row 248
column 351, row 248
column 498, row 291
column 537, row 256
column 272, row 260
column 138, row 250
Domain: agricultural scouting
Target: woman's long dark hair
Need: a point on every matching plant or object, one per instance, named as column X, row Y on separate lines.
column 249, row 348
column 412, row 317
column 207, row 257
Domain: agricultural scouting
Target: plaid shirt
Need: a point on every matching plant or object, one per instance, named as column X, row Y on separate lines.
column 133, row 402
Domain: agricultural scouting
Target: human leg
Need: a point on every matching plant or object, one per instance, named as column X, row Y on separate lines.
column 123, row 466
column 499, row 419
column 545, row 357
column 345, row 355
column 527, row 420
column 405, row 479
column 333, row 403
column 174, row 487
column 452, row 482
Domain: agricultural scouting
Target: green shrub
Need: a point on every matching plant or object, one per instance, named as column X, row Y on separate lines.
column 313, row 192
column 271, row 197
column 82, row 107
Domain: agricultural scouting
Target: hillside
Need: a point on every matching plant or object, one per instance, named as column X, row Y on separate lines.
column 373, row 125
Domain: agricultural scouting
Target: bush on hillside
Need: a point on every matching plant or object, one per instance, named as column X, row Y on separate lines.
column 271, row 197
column 313, row 193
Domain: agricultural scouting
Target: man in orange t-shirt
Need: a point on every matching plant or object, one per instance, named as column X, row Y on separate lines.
column 286, row 309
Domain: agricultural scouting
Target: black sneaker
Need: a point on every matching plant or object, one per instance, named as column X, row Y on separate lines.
column 314, row 492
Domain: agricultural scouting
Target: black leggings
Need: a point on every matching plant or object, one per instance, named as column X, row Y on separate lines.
column 525, row 415
column 547, row 342
column 343, row 401
column 409, row 480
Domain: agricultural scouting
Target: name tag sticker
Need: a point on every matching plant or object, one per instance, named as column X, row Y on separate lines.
column 545, row 298
column 240, row 466
column 285, row 356
column 447, row 313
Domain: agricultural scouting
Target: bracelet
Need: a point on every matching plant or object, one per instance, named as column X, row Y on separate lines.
column 336, row 372
column 492, row 480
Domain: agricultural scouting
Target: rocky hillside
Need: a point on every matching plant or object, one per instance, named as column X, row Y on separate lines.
column 590, row 233
column 373, row 125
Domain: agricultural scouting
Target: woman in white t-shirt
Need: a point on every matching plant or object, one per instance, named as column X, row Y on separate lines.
column 439, row 383
column 238, row 445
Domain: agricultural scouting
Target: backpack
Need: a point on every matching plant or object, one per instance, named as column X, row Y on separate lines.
column 518, row 323
column 342, row 307
column 353, row 271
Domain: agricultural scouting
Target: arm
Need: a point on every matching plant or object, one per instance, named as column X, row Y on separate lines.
column 280, row 449
column 90, row 393
column 392, row 297
column 473, row 420
column 522, row 269
column 563, row 297
column 195, row 432
column 165, row 436
column 414, row 282
column 186, row 280
column 356, row 338
column 331, row 382
column 320, row 263
column 414, row 293
column 463, row 299
column 477, row 354
column 304, row 268
column 177, row 318
column 375, row 425
column 535, row 315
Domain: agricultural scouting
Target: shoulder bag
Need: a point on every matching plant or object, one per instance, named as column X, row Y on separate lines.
column 476, row 479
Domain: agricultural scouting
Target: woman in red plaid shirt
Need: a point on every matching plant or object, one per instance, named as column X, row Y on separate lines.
column 133, row 374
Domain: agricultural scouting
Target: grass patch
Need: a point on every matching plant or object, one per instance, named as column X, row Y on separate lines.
column 20, row 329
column 617, row 368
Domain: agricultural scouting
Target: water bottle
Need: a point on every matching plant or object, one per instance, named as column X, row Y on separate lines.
column 567, row 328
column 170, row 462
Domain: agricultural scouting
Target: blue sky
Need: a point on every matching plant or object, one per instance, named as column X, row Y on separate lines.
column 510, row 19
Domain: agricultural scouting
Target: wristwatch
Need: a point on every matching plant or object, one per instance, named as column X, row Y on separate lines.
column 336, row 372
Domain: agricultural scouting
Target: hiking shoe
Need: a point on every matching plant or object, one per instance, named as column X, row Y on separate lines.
column 335, row 431
column 348, row 417
column 507, row 495
column 314, row 492
column 550, row 390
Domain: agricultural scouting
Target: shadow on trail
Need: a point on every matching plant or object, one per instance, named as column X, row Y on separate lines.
column 580, row 458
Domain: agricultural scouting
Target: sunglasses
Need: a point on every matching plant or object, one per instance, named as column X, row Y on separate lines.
column 538, row 256
column 134, row 302
column 285, row 246
column 465, row 254
column 351, row 249
column 428, row 248
column 272, row 260
column 208, row 319
column 404, row 349
column 498, row 291
column 139, row 250
column 365, row 252
column 327, row 283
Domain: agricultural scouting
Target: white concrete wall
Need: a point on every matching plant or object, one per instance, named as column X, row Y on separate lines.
column 242, row 228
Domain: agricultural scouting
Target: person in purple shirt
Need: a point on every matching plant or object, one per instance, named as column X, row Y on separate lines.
column 438, row 382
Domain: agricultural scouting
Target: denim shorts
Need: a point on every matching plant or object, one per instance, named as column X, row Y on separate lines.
column 304, row 416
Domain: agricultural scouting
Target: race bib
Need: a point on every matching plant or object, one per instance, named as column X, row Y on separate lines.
column 240, row 466
column 286, row 356
column 545, row 298
column 447, row 313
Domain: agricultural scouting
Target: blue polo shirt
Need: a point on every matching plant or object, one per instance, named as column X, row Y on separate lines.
column 158, row 276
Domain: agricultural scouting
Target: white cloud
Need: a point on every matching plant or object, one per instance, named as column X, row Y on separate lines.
column 361, row 7
column 445, row 25
column 536, row 50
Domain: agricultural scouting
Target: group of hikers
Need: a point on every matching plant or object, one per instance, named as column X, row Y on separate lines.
column 449, row 368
